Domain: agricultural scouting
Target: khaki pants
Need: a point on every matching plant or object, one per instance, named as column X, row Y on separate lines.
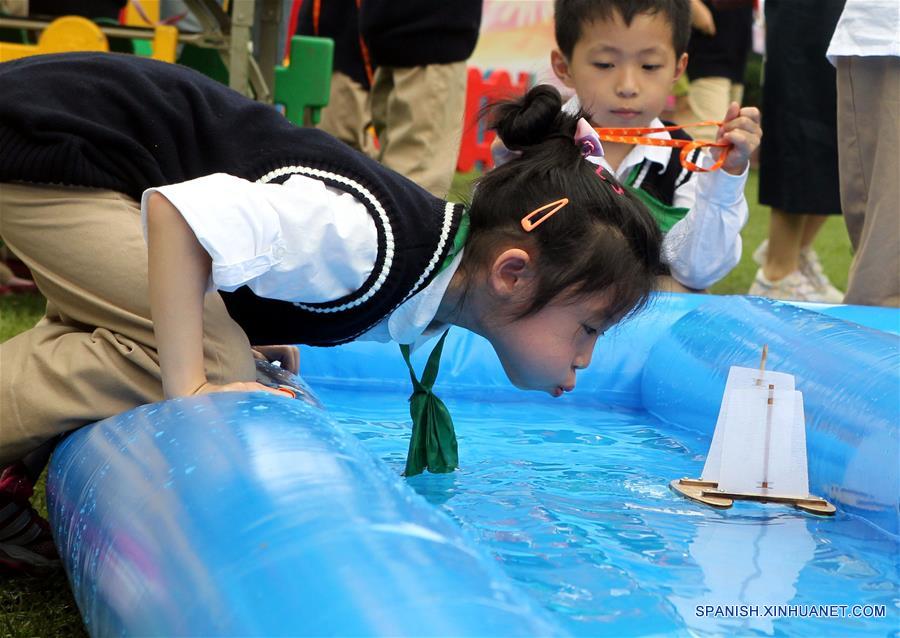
column 868, row 90
column 708, row 99
column 93, row 355
column 347, row 115
column 418, row 115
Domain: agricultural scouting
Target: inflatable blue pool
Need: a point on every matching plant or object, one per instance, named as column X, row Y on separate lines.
column 251, row 514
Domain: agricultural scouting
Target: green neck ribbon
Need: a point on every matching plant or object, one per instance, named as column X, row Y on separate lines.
column 666, row 216
column 433, row 441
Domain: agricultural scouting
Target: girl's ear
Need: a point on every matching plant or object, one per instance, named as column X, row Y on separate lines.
column 511, row 273
column 560, row 66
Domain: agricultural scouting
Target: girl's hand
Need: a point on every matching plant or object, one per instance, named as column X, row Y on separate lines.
column 741, row 128
column 241, row 386
column 288, row 356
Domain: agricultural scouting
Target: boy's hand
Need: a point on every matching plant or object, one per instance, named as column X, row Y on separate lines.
column 741, row 128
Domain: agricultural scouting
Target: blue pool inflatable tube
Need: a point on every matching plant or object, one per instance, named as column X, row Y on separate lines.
column 250, row 514
column 254, row 515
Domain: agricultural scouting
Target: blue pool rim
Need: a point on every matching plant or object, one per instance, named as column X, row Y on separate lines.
column 249, row 514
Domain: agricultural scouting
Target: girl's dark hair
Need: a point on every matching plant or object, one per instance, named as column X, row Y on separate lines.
column 601, row 240
column 570, row 17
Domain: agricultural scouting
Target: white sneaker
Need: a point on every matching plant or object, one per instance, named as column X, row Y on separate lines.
column 794, row 287
column 811, row 268
column 761, row 252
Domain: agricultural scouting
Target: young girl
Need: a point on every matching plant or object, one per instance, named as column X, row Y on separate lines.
column 258, row 232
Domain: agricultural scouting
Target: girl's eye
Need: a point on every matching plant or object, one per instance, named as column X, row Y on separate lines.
column 603, row 65
column 652, row 67
column 590, row 331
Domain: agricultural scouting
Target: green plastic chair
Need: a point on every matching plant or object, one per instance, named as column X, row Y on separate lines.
column 207, row 61
column 304, row 85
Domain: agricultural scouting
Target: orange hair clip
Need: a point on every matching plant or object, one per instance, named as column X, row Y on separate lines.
column 636, row 136
column 553, row 207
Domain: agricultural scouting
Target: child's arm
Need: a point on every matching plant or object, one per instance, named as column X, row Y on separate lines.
column 705, row 245
column 179, row 270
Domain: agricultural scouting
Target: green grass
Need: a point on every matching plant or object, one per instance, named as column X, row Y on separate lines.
column 41, row 607
column 45, row 607
column 35, row 606
column 18, row 313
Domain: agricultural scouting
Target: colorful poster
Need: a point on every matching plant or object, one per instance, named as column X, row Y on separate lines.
column 517, row 37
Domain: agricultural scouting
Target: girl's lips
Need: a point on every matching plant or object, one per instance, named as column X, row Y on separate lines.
column 627, row 113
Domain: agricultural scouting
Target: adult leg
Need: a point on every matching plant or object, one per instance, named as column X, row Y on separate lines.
column 708, row 99
column 792, row 270
column 379, row 96
column 869, row 125
column 94, row 353
column 737, row 93
column 418, row 115
column 781, row 275
column 785, row 236
column 811, row 228
column 347, row 114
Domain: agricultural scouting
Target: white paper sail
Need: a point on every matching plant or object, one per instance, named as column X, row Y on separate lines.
column 759, row 444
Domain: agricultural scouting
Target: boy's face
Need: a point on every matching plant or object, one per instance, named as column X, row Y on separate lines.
column 622, row 74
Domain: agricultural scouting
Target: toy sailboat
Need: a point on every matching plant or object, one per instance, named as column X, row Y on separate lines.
column 758, row 449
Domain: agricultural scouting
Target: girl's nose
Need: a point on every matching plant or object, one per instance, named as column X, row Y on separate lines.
column 583, row 360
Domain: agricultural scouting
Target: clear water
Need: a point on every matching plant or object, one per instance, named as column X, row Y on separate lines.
column 574, row 502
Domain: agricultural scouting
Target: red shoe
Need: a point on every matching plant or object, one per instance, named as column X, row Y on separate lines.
column 26, row 544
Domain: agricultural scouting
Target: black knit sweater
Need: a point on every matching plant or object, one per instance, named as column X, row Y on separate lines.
column 126, row 123
column 407, row 33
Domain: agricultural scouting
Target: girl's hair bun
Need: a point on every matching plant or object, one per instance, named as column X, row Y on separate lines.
column 531, row 119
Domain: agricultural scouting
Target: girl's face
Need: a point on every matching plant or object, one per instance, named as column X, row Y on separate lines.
column 543, row 351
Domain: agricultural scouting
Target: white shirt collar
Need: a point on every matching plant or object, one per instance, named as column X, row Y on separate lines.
column 640, row 152
column 411, row 322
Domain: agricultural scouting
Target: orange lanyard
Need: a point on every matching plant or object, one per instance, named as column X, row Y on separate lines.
column 366, row 60
column 636, row 136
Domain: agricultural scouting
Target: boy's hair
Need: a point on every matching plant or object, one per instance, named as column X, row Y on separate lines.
column 604, row 239
column 571, row 15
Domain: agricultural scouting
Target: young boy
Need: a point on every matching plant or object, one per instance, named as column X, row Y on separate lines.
column 622, row 58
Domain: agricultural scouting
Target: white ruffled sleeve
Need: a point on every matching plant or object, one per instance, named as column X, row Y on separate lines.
column 298, row 241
